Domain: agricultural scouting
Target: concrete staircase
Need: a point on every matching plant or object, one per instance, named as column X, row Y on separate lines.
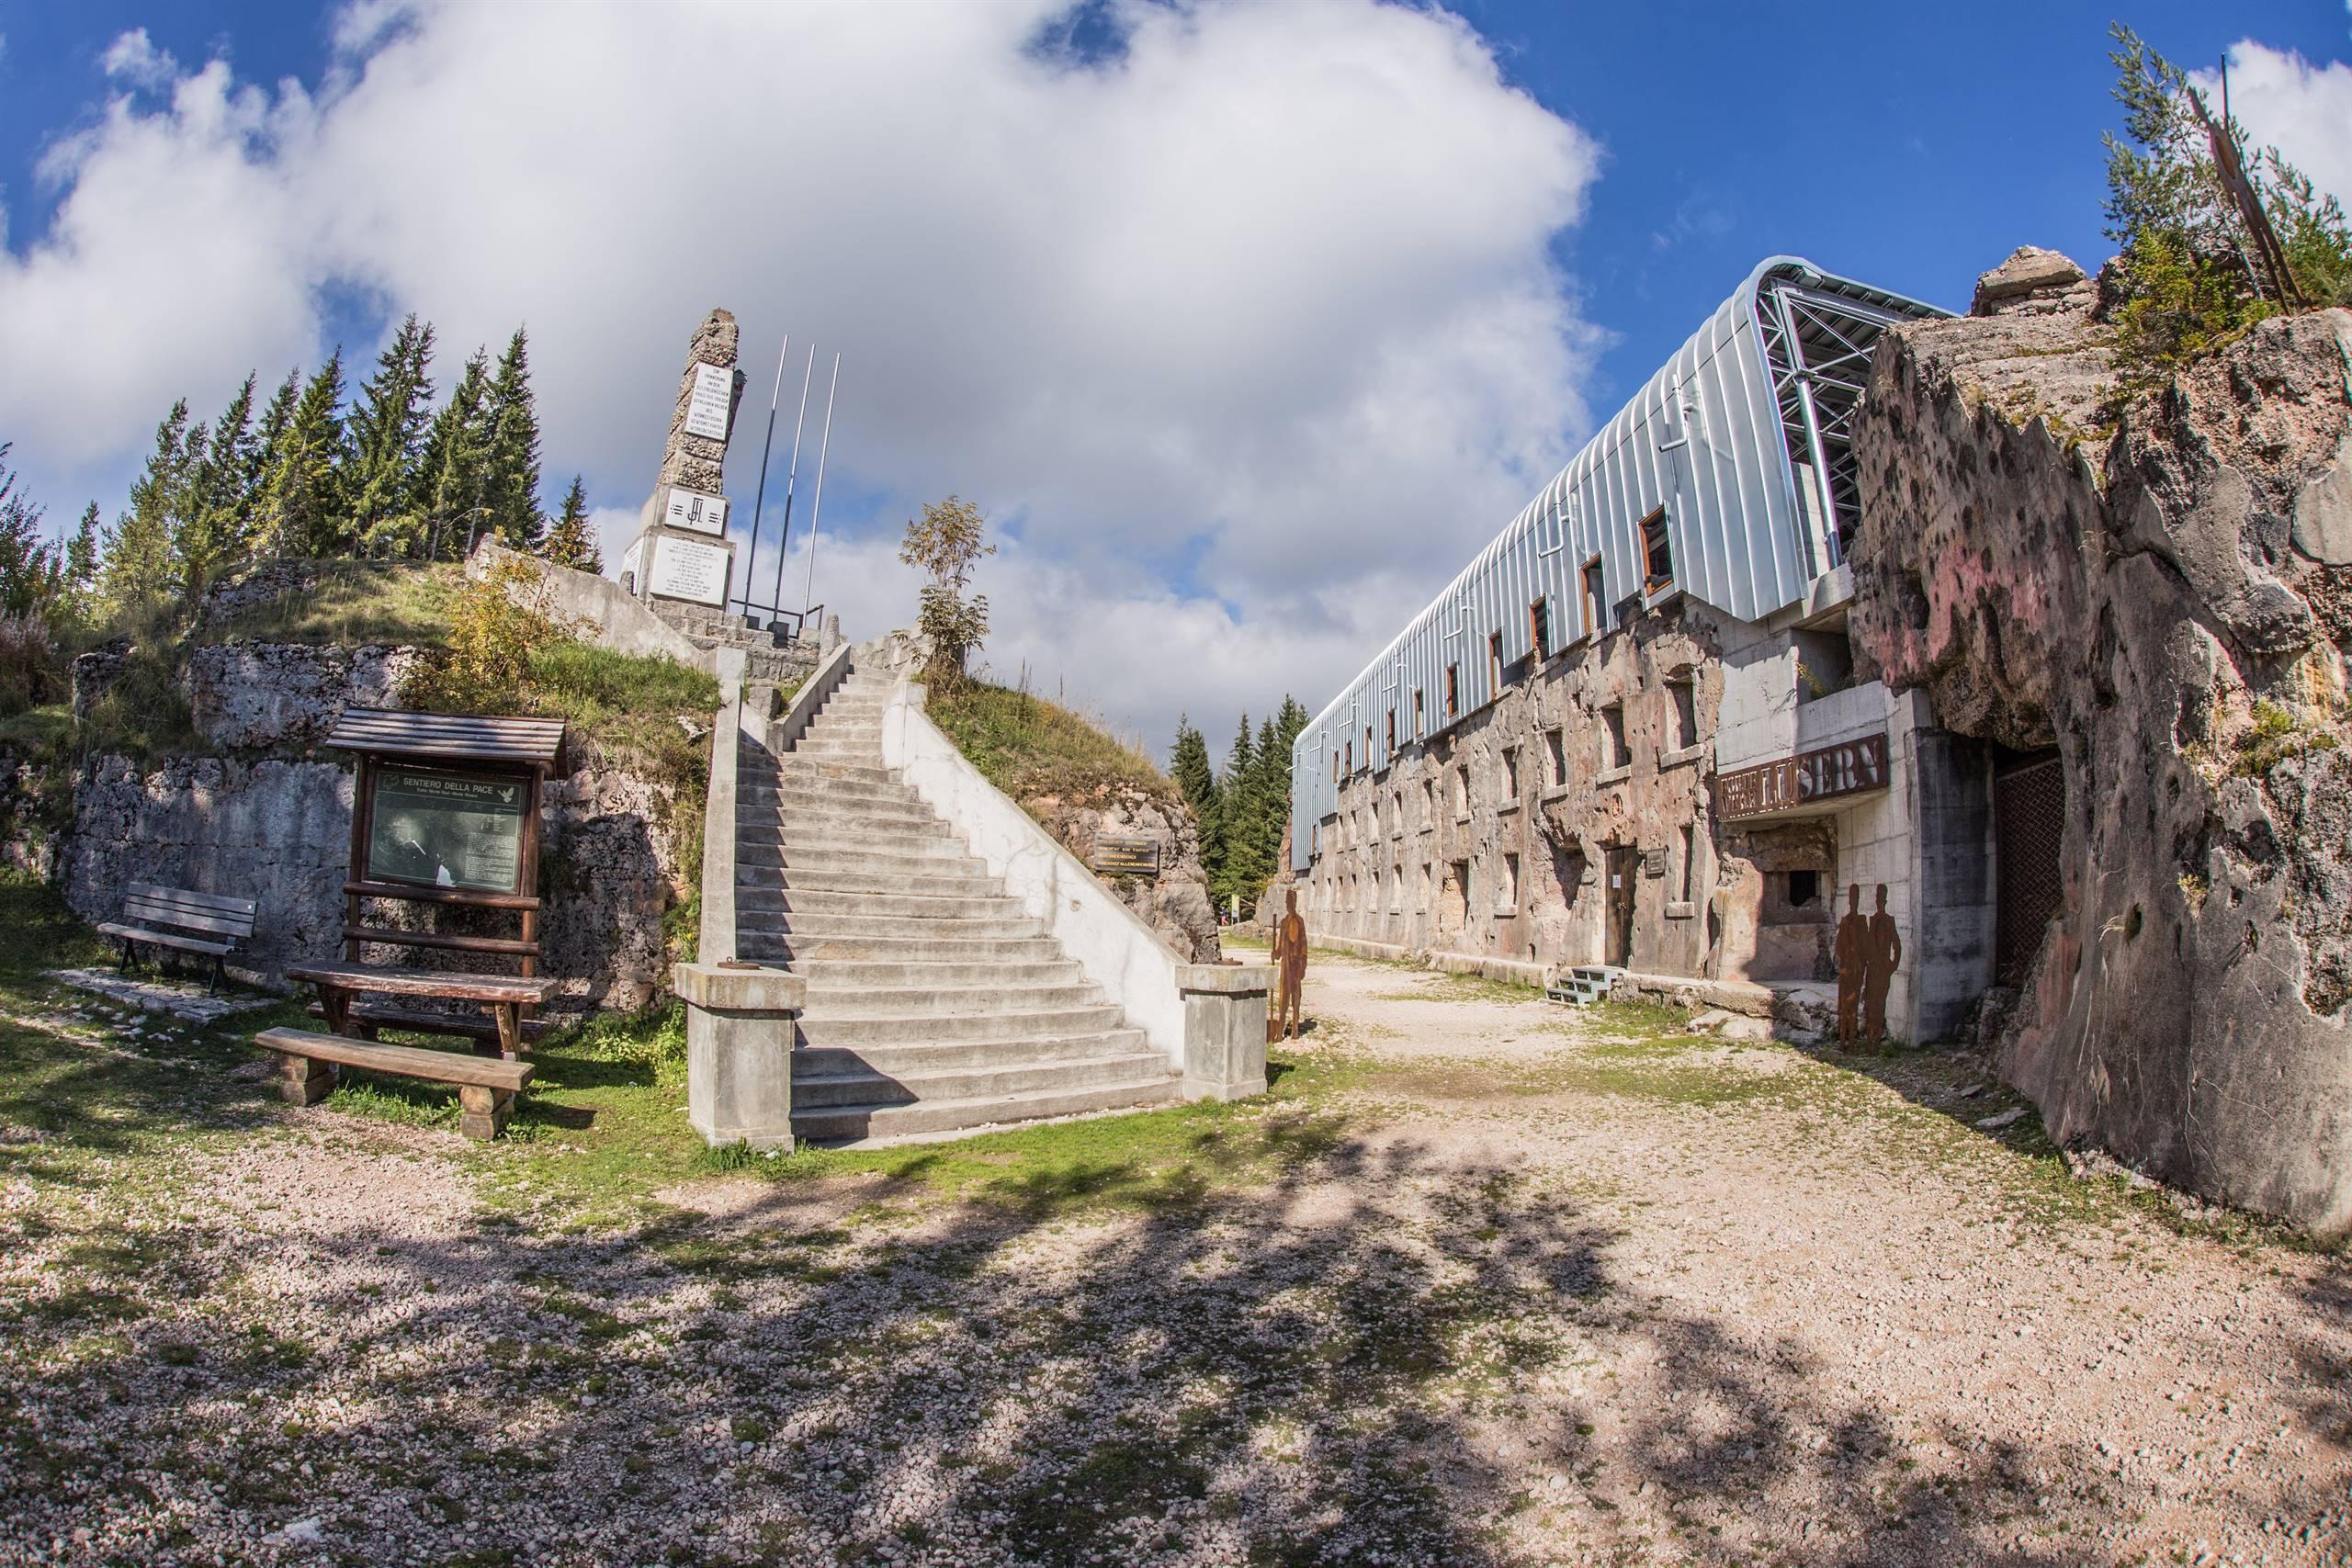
column 934, row 1002
column 1584, row 984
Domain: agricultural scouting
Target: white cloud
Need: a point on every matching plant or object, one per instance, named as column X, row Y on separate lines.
column 2284, row 101
column 133, row 58
column 1250, row 334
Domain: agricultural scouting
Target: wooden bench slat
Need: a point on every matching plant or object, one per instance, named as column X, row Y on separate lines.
column 166, row 939
column 408, row 1061
column 410, row 982
column 146, row 911
column 418, row 1021
column 394, row 938
column 218, row 903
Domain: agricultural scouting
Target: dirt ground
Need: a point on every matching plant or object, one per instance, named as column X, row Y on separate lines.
column 1521, row 1285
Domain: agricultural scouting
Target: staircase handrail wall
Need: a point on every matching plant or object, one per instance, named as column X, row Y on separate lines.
column 821, row 685
column 1109, row 942
column 716, row 940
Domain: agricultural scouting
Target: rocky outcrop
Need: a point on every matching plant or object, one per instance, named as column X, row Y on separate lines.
column 248, row 696
column 2159, row 591
column 1176, row 903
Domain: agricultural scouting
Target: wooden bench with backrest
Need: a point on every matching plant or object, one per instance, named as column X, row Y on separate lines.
column 486, row 1086
column 208, row 924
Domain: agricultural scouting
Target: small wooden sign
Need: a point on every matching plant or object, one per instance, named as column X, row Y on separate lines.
column 1851, row 767
column 1653, row 862
column 1117, row 855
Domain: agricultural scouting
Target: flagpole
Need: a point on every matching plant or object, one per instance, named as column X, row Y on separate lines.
column 816, row 507
column 751, row 555
column 784, row 541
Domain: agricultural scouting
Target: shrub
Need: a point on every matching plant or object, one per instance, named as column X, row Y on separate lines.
column 497, row 621
column 32, row 672
column 945, row 542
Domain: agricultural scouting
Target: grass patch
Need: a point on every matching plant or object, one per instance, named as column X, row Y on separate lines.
column 1028, row 747
column 351, row 602
column 1447, row 987
column 45, row 730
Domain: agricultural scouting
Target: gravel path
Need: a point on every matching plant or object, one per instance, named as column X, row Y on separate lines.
column 1538, row 1288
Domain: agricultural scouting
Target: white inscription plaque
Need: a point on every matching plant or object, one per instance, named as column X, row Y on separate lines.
column 706, row 407
column 690, row 569
column 692, row 509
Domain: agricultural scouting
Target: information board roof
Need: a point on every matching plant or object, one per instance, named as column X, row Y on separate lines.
column 465, row 737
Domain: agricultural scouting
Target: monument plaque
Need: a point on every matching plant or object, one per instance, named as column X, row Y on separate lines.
column 1119, row 854
column 443, row 830
column 692, row 509
column 707, row 410
column 686, row 568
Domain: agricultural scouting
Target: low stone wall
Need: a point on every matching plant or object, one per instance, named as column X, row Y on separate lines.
column 279, row 831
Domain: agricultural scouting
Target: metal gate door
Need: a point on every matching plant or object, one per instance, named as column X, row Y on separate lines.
column 2029, row 823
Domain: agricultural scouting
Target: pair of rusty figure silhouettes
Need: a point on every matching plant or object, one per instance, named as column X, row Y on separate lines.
column 1868, row 949
column 1290, row 970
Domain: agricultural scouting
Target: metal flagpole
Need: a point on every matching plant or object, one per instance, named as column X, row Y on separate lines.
column 751, row 556
column 783, row 542
column 818, row 505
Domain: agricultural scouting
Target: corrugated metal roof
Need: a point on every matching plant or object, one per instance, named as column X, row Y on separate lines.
column 1706, row 442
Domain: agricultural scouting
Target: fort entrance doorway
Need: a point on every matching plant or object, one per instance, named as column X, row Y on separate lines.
column 2029, row 826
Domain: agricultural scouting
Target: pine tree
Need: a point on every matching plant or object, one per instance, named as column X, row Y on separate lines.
column 450, row 474
column 388, row 424
column 209, row 526
column 268, row 444
column 569, row 542
column 302, row 505
column 1237, row 789
column 140, row 558
column 1197, row 780
column 511, row 465
column 80, row 586
column 29, row 573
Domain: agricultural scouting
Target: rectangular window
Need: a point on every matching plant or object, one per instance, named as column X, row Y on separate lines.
column 1348, row 755
column 1462, row 790
column 1419, row 725
column 1510, row 772
column 1681, row 692
column 1495, row 665
column 1658, row 553
column 1367, row 745
column 1555, row 747
column 1396, row 814
column 1452, row 691
column 1689, row 853
column 1614, row 752
column 1428, row 803
column 1538, row 629
column 1429, row 883
column 1596, row 598
column 1509, row 889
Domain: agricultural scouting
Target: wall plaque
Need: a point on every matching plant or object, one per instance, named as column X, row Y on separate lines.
column 1851, row 767
column 445, row 829
column 692, row 509
column 706, row 407
column 689, row 570
column 1119, row 854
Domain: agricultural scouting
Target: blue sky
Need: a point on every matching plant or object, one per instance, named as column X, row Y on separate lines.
column 1230, row 449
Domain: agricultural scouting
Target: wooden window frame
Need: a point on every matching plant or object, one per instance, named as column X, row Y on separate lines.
column 1454, row 691
column 1539, row 627
column 1653, row 580
column 1594, row 577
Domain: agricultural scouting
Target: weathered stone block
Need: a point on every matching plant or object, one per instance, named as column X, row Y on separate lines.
column 1225, row 1029
column 738, row 1052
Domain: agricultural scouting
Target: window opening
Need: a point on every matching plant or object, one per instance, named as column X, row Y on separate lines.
column 1657, row 552
column 1392, row 729
column 1510, row 882
column 1683, row 691
column 1596, row 598
column 1690, row 854
column 1555, row 745
column 1419, row 728
column 1538, row 629
column 1452, row 690
column 1510, row 772
column 1804, row 887
column 1462, row 790
column 1614, row 752
column 1495, row 664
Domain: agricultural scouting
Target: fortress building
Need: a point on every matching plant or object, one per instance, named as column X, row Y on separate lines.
column 1632, row 732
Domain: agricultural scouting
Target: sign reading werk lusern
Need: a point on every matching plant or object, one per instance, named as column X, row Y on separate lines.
column 445, row 829
column 1119, row 854
column 1850, row 767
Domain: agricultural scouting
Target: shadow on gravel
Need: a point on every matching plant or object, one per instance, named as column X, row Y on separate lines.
column 1341, row 1366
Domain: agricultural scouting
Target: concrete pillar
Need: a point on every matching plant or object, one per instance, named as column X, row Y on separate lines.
column 1225, row 1029
column 738, row 1052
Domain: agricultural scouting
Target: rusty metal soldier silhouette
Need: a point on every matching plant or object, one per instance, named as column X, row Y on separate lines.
column 1853, row 960
column 1883, row 950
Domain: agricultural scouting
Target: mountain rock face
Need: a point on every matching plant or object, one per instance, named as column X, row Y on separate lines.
column 2161, row 590
column 1176, row 903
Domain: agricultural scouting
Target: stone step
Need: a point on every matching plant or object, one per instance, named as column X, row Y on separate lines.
column 904, row 1061
column 838, row 819
column 764, row 901
column 894, row 948
column 852, row 1123
column 930, row 884
column 805, row 925
column 934, row 972
column 787, row 781
column 830, row 1000
column 904, row 906
column 941, row 1028
column 866, row 753
column 819, row 834
column 814, row 1091
column 943, row 855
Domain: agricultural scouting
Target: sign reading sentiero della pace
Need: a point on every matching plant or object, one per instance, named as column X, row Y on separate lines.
column 1850, row 767
column 445, row 829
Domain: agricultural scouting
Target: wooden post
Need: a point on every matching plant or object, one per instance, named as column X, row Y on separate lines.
column 304, row 1081
column 482, row 1110
column 362, row 807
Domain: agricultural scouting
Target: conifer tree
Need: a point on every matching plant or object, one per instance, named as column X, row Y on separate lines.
column 1197, row 780
column 209, row 526
column 80, row 585
column 29, row 573
column 1237, row 790
column 569, row 542
column 511, row 463
column 268, row 443
column 302, row 503
column 388, row 424
column 140, row 558
column 450, row 474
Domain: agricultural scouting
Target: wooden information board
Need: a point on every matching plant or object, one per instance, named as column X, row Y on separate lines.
column 440, row 829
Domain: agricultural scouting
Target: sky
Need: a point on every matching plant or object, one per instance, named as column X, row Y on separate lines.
column 1245, row 322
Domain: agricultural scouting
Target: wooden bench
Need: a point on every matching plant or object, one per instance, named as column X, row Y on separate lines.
column 506, row 997
column 205, row 923
column 486, row 1088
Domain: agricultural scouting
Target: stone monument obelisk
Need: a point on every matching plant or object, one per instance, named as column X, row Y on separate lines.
column 682, row 563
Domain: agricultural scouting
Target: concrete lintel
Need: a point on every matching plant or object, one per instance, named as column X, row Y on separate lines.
column 709, row 986
column 1224, row 980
